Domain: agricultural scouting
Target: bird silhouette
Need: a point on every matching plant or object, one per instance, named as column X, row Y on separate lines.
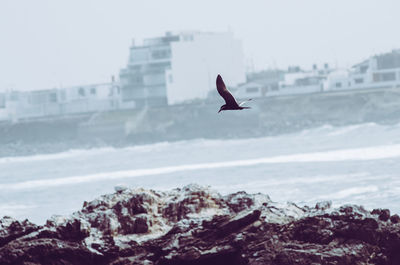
column 230, row 101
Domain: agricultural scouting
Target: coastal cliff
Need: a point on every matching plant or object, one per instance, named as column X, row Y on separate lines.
column 196, row 225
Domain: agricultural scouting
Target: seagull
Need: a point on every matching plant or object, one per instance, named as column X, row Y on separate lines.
column 230, row 102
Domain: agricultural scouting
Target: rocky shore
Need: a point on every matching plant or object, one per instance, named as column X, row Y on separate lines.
column 196, row 225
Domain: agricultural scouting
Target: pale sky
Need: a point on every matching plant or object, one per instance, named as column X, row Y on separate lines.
column 60, row 43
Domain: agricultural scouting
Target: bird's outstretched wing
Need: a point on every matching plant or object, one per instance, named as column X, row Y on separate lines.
column 225, row 94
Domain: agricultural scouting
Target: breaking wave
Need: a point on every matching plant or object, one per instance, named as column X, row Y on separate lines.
column 357, row 154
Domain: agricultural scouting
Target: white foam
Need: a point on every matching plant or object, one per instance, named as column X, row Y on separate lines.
column 370, row 153
column 13, row 209
column 322, row 129
column 86, row 152
column 161, row 146
column 270, row 182
column 328, row 130
column 62, row 155
column 350, row 192
column 351, row 128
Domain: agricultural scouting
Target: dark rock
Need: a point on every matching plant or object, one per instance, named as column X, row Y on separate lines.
column 395, row 218
column 237, row 224
column 384, row 214
column 141, row 225
column 11, row 229
column 72, row 231
column 195, row 225
column 48, row 251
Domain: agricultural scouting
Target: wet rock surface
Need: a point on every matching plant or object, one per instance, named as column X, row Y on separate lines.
column 195, row 225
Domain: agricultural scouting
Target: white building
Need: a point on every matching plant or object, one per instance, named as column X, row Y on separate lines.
column 20, row 105
column 4, row 114
column 259, row 84
column 380, row 71
column 180, row 67
column 90, row 98
column 32, row 104
column 297, row 81
column 250, row 90
column 337, row 80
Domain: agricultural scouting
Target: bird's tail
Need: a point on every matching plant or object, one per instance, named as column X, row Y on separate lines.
column 244, row 102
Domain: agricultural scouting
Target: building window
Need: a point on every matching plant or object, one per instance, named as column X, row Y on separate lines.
column 338, row 85
column 135, row 79
column 81, row 92
column 93, row 91
column 161, row 54
column 307, row 81
column 359, row 80
column 363, row 69
column 36, row 98
column 252, row 89
column 53, row 97
column 14, row 96
column 2, row 101
column 383, row 77
column 389, row 60
column 63, row 96
column 138, row 55
column 154, row 79
column 170, row 79
column 274, row 87
column 188, row 38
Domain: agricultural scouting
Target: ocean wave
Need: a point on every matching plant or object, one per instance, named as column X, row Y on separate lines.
column 372, row 130
column 13, row 209
column 351, row 128
column 145, row 148
column 56, row 156
column 322, row 131
column 369, row 153
column 350, row 192
column 284, row 182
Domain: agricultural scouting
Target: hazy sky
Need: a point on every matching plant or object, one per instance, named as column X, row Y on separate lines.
column 53, row 43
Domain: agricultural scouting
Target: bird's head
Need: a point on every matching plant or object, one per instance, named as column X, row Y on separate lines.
column 222, row 108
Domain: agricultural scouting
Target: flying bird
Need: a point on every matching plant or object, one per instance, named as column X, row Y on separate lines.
column 230, row 102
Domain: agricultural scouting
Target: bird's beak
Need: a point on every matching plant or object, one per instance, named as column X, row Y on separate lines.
column 219, row 111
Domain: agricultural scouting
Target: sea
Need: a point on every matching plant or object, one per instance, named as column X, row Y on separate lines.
column 357, row 164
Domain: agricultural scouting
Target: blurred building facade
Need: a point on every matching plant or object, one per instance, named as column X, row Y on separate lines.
column 259, row 84
column 379, row 71
column 180, row 67
column 3, row 110
column 20, row 105
column 279, row 83
column 298, row 81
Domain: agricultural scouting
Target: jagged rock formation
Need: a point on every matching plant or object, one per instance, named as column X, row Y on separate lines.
column 195, row 225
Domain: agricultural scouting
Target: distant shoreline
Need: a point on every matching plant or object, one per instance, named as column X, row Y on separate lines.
column 268, row 117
